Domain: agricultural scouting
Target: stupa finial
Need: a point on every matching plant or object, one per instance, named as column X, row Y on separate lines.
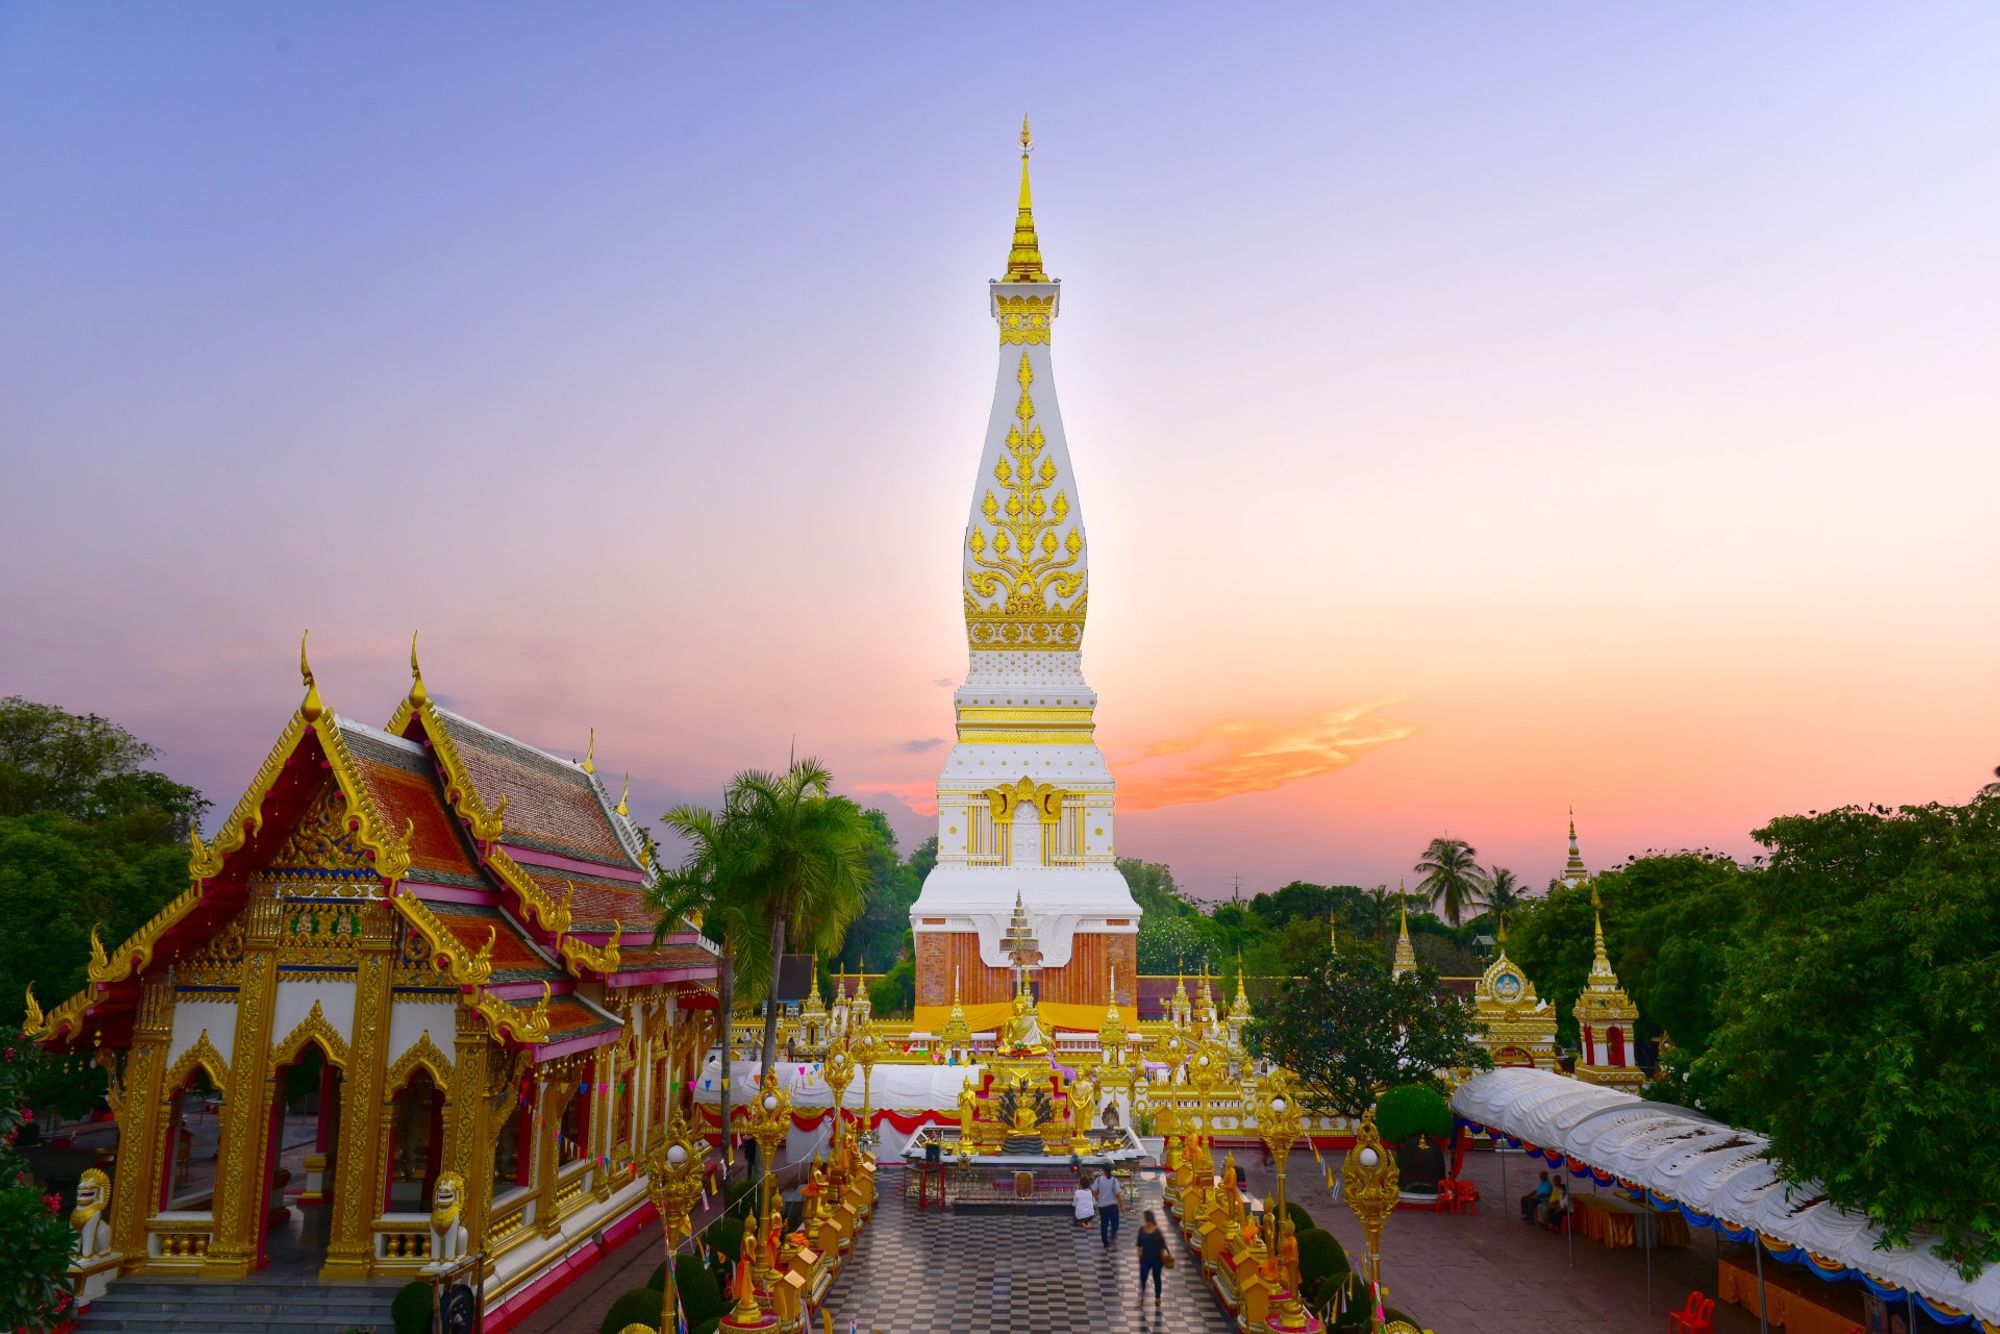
column 417, row 692
column 1024, row 260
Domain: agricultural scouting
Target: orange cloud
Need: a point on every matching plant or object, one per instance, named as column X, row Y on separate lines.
column 1243, row 755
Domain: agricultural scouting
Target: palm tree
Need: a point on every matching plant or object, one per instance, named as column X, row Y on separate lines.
column 713, row 881
column 1502, row 894
column 1451, row 877
column 806, row 864
column 1382, row 904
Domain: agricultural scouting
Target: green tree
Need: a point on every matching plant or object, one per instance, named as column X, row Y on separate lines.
column 1172, row 943
column 805, row 863
column 1502, row 894
column 1451, row 877
column 713, row 882
column 1347, row 1028
column 92, row 771
column 878, row 932
column 1858, row 1013
column 35, row 1238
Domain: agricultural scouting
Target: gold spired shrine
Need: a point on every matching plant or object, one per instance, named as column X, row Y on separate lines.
column 443, row 934
column 1025, row 800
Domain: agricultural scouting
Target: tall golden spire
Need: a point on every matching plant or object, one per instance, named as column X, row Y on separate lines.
column 590, row 753
column 1024, row 261
column 1406, row 954
column 312, row 706
column 623, row 807
column 1574, row 872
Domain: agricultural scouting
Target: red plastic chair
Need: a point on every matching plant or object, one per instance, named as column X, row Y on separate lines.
column 1447, row 1198
column 1468, row 1198
column 1694, row 1317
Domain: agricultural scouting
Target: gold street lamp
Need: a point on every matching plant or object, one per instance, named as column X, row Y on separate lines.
column 838, row 1071
column 1280, row 1121
column 867, row 1050
column 770, row 1118
column 673, row 1180
column 1368, row 1183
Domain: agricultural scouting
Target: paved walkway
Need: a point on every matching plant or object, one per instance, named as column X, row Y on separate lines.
column 1492, row 1274
column 988, row 1273
column 1001, row 1273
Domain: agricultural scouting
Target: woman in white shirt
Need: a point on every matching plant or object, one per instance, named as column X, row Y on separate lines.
column 1085, row 1203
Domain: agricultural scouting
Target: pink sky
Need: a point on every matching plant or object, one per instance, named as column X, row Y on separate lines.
column 1472, row 417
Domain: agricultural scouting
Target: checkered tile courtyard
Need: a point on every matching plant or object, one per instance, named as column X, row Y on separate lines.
column 1003, row 1273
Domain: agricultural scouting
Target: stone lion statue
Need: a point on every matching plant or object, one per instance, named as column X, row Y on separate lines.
column 93, row 1229
column 448, row 1236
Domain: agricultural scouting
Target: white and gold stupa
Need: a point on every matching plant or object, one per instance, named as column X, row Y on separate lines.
column 1025, row 799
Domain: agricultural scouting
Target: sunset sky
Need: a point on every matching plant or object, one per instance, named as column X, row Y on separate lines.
column 1477, row 409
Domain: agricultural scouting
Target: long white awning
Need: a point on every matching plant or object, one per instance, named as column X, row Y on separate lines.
column 1718, row 1176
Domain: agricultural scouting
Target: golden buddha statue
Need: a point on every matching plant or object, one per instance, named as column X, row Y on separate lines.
column 1288, row 1254
column 1023, row 1033
column 968, row 1108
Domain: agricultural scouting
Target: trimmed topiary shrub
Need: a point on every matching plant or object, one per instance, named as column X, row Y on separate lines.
column 701, row 1295
column 658, row 1281
column 1301, row 1220
column 640, row 1306
column 1410, row 1110
column 410, row 1308
column 725, row 1238
column 1322, row 1264
column 705, row 1327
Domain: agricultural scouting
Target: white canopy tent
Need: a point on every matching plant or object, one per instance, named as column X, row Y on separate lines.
column 1717, row 1176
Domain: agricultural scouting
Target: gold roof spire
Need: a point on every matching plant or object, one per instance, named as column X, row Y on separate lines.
column 313, row 706
column 622, row 808
column 1332, row 935
column 1024, row 261
column 417, row 692
column 590, row 753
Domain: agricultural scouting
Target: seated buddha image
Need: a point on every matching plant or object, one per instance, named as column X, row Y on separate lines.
column 1023, row 1032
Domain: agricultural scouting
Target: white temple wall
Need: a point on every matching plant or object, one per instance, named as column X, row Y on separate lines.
column 196, row 1011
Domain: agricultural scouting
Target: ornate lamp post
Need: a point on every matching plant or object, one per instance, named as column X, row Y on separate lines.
column 1368, row 1182
column 1280, row 1120
column 770, row 1118
column 838, row 1071
column 867, row 1050
column 673, row 1180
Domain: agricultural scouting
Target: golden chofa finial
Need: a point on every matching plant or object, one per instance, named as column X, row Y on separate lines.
column 418, row 695
column 590, row 753
column 313, row 706
column 622, row 808
column 1024, row 260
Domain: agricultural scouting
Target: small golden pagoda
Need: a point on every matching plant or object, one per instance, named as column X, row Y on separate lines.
column 1517, row 1027
column 1406, row 954
column 1606, row 1019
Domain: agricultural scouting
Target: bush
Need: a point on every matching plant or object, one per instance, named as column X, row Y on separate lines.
column 1410, row 1110
column 1321, row 1264
column 725, row 1238
column 640, row 1306
column 410, row 1309
column 705, row 1327
column 658, row 1281
column 1301, row 1220
column 701, row 1295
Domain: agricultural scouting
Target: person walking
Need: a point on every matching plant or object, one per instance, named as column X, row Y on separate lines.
column 1105, row 1191
column 1152, row 1255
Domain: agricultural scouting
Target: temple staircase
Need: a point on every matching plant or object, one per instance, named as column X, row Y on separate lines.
column 276, row 1301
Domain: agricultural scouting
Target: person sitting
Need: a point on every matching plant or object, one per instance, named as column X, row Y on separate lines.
column 1556, row 1207
column 1085, row 1205
column 1532, row 1202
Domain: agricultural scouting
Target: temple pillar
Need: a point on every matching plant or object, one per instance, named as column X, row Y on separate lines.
column 361, row 1160
column 142, row 1116
column 468, row 1139
column 243, row 1169
column 548, row 1151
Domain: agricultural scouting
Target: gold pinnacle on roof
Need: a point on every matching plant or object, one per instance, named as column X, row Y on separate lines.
column 1332, row 935
column 417, row 692
column 1111, row 1033
column 1406, row 954
column 626, row 792
column 1600, row 964
column 815, row 1004
column 590, row 753
column 1024, row 261
column 312, row 706
column 1574, row 872
column 957, row 1030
